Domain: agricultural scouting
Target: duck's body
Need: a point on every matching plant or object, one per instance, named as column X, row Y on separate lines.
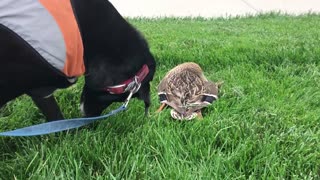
column 186, row 90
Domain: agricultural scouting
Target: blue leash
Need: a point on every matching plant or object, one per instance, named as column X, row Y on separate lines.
column 60, row 125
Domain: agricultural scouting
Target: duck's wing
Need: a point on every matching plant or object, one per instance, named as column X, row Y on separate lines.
column 163, row 85
column 162, row 88
column 210, row 92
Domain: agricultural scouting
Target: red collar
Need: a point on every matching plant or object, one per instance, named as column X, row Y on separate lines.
column 126, row 85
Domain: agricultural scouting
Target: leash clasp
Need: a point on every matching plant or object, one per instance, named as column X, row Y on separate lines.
column 126, row 102
column 133, row 88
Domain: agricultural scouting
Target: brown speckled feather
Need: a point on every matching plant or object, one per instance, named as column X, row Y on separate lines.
column 185, row 86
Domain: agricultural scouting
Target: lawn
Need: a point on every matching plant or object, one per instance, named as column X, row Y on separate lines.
column 265, row 125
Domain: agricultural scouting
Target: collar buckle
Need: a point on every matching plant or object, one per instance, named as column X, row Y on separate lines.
column 133, row 84
column 133, row 87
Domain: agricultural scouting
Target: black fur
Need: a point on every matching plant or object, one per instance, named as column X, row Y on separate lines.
column 114, row 52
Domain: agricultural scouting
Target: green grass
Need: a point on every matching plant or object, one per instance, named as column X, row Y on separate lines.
column 266, row 124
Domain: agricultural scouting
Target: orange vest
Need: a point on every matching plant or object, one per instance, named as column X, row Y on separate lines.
column 50, row 27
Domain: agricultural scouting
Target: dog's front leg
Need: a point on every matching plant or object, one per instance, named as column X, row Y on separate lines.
column 144, row 94
column 49, row 107
column 46, row 102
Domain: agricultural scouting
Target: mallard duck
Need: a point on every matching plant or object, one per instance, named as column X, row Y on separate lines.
column 187, row 91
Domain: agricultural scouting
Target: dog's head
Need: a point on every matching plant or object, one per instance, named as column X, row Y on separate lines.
column 114, row 53
column 108, row 81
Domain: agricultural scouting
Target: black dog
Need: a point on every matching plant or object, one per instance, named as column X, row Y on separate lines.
column 114, row 52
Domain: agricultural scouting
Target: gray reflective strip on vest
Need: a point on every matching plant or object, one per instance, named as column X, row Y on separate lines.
column 32, row 22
